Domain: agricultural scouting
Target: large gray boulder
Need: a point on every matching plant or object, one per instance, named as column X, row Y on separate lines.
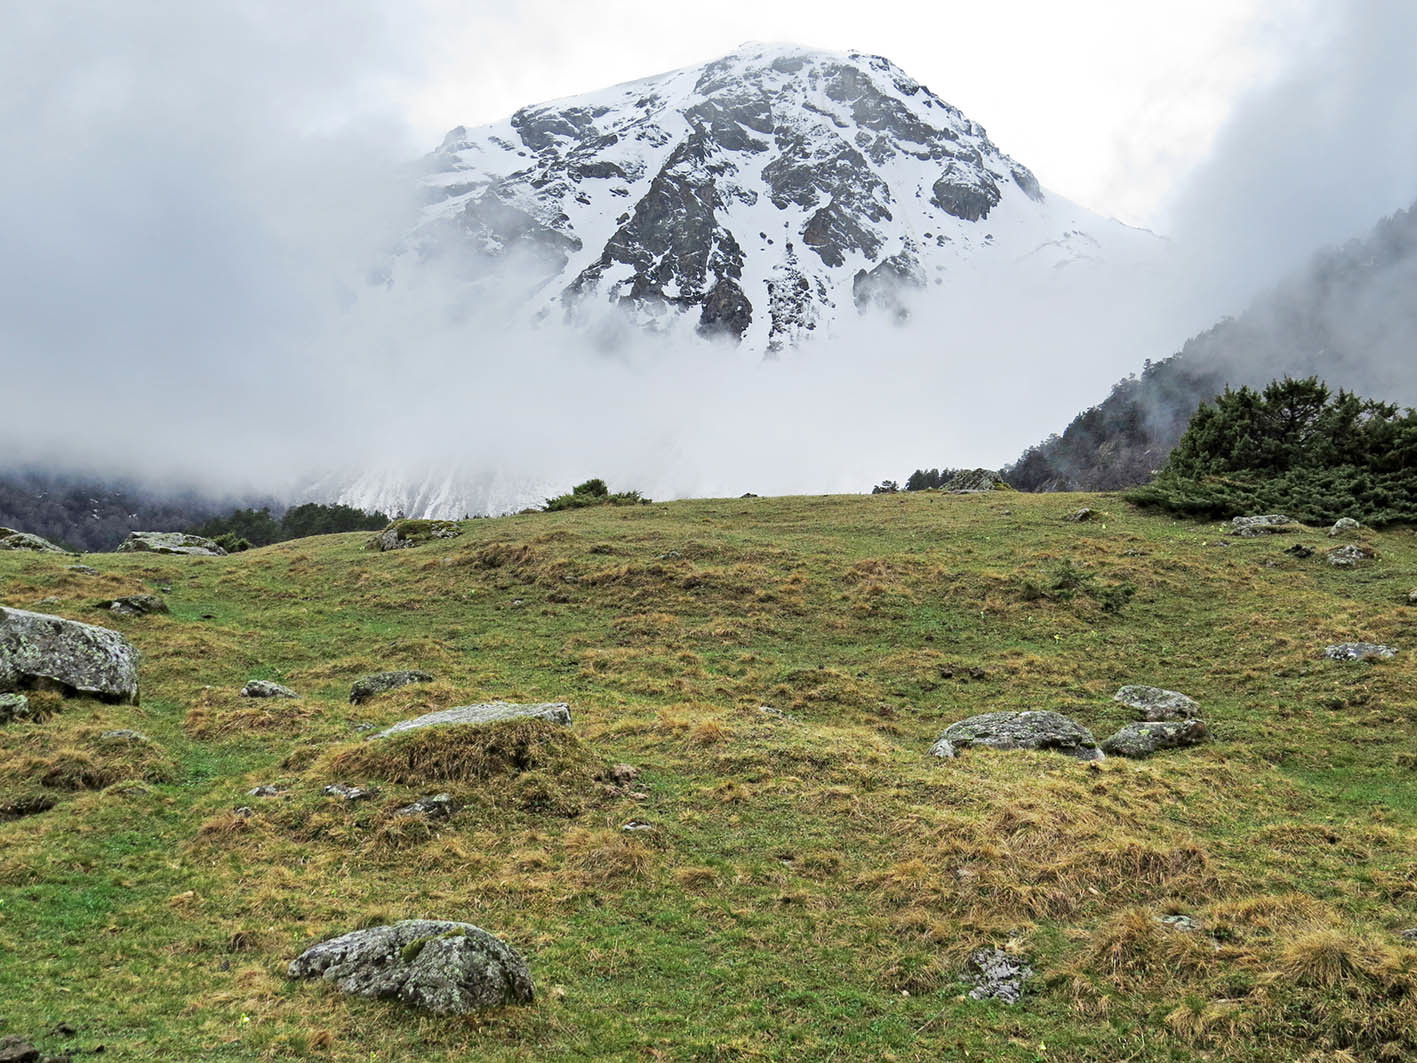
column 1150, row 736
column 1034, row 729
column 1155, row 703
column 10, row 539
column 443, row 967
column 169, row 543
column 1263, row 524
column 487, row 712
column 1343, row 526
column 382, row 682
column 36, row 648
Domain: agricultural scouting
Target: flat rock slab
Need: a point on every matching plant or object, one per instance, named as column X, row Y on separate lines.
column 488, row 712
column 1154, row 703
column 443, row 967
column 265, row 688
column 1263, row 524
column 382, row 682
column 78, row 658
column 1359, row 651
column 10, row 539
column 169, row 543
column 996, row 975
column 1035, row 729
column 1148, row 737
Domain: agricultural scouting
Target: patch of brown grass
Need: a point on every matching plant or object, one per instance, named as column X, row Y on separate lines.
column 221, row 713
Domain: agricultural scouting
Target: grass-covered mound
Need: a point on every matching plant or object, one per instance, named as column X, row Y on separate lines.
column 803, row 883
column 1292, row 448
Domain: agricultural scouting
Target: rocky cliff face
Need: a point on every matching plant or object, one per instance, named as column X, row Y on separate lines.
column 759, row 197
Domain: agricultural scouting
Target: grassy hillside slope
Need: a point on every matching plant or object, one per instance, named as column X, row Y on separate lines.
column 813, row 883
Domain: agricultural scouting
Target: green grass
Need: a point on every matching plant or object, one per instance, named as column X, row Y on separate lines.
column 813, row 884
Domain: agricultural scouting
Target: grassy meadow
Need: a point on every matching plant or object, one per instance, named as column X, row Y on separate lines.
column 813, row 881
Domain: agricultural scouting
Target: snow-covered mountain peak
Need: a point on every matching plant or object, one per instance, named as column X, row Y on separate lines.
column 762, row 196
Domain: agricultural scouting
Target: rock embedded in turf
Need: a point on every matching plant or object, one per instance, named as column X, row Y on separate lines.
column 1300, row 551
column 996, row 975
column 135, row 605
column 1150, row 736
column 944, row 749
column 1349, row 556
column 438, row 806
column 265, row 790
column 124, row 734
column 1359, row 651
column 14, row 707
column 1077, row 516
column 487, row 712
column 402, row 534
column 83, row 570
column 1038, row 729
column 446, row 968
column 10, row 539
column 1343, row 526
column 347, row 792
column 1263, row 524
column 1154, row 703
column 382, row 682
column 148, row 542
column 265, row 688
column 36, row 648
column 17, row 1050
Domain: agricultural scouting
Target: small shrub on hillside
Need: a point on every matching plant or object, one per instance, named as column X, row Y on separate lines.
column 1066, row 581
column 1292, row 448
column 594, row 493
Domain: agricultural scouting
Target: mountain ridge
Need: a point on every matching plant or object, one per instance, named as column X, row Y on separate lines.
column 759, row 197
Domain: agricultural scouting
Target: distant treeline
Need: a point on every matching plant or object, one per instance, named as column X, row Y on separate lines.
column 83, row 513
column 1348, row 317
column 245, row 528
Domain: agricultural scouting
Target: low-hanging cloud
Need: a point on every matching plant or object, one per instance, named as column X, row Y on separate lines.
column 195, row 216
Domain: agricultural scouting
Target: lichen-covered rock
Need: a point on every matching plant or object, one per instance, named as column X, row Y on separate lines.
column 381, row 682
column 1343, row 526
column 944, row 749
column 1078, row 516
column 83, row 570
column 1359, row 651
column 1349, row 556
column 1035, row 729
column 1263, row 524
column 446, row 968
column 169, row 543
column 124, row 734
column 265, row 688
column 1150, row 736
column 973, row 481
column 14, row 707
column 10, row 539
column 401, row 534
column 995, row 975
column 1157, row 704
column 135, row 605
column 487, row 712
column 37, row 649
